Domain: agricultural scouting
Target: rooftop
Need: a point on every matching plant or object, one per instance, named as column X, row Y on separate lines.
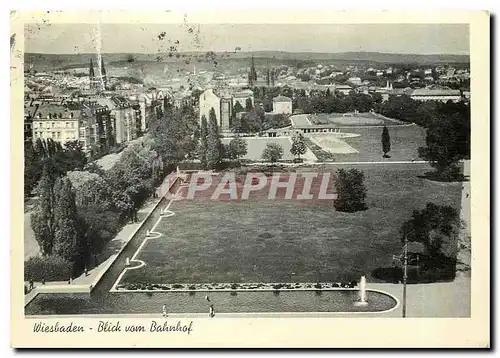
column 54, row 111
column 435, row 92
column 281, row 99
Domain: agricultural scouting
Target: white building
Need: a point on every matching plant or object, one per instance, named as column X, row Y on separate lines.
column 242, row 97
column 355, row 81
column 209, row 100
column 442, row 95
column 282, row 104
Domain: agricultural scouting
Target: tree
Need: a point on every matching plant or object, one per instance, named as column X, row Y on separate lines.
column 67, row 238
column 386, row 142
column 298, row 145
column 203, row 142
column 436, row 227
column 351, row 191
column 101, row 226
column 248, row 104
column 75, row 156
column 214, row 144
column 445, row 147
column 42, row 217
column 237, row 147
column 273, row 152
column 237, row 109
column 32, row 168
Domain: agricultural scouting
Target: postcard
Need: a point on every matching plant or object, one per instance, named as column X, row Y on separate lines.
column 271, row 178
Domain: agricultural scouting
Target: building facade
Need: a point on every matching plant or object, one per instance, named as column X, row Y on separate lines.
column 57, row 123
column 282, row 104
column 442, row 95
column 123, row 115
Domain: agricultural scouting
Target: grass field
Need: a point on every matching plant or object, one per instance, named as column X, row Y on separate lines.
column 288, row 240
column 255, row 147
column 405, row 141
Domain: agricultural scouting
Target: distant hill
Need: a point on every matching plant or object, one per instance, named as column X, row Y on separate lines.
column 68, row 61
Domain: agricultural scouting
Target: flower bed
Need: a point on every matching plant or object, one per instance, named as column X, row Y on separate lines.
column 235, row 286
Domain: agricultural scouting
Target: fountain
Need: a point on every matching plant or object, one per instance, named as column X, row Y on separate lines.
column 362, row 293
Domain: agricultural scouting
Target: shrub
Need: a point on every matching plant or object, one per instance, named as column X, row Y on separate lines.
column 234, row 286
column 177, row 285
column 192, row 287
column 49, row 268
column 318, row 286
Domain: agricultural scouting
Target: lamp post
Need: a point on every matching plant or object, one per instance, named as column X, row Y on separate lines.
column 405, row 274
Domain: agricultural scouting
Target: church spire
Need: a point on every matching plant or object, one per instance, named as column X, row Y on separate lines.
column 91, row 70
column 103, row 70
column 252, row 75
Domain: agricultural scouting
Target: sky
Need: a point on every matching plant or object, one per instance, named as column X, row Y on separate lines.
column 329, row 38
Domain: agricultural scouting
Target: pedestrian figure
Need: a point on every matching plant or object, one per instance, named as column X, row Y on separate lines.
column 211, row 312
column 467, row 195
column 207, row 298
column 32, row 284
column 86, row 271
column 164, row 311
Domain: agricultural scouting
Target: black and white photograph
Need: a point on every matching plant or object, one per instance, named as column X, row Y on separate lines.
column 186, row 172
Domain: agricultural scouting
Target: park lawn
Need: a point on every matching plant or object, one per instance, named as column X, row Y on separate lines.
column 405, row 141
column 256, row 146
column 287, row 240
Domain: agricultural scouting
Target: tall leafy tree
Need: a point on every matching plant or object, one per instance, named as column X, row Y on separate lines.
column 67, row 235
column 248, row 104
column 42, row 217
column 273, row 152
column 298, row 145
column 445, row 146
column 351, row 190
column 386, row 141
column 214, row 144
column 436, row 227
column 237, row 148
column 203, row 141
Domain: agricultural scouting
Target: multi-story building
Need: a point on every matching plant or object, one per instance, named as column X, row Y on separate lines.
column 30, row 111
column 96, row 126
column 223, row 103
column 56, row 122
column 209, row 100
column 123, row 115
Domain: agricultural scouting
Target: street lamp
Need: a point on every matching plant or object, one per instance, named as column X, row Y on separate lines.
column 405, row 275
column 404, row 258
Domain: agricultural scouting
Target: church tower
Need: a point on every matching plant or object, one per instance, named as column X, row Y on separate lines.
column 104, row 77
column 252, row 74
column 91, row 71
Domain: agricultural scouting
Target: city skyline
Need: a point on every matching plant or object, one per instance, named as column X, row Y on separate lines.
column 419, row 39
